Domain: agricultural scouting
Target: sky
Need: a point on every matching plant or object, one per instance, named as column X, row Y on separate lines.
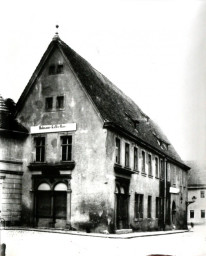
column 153, row 50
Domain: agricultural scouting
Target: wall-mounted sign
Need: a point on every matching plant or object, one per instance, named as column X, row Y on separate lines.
column 53, row 128
column 174, row 190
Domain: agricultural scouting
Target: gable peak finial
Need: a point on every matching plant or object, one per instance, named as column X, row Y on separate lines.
column 56, row 36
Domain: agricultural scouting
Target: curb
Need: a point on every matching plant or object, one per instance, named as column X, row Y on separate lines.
column 113, row 236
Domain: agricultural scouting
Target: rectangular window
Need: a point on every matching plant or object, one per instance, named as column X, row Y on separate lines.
column 60, row 69
column 202, row 194
column 126, row 155
column 117, row 157
column 156, row 168
column 52, row 70
column 66, row 148
column 143, row 162
column 49, row 103
column 60, row 102
column 139, row 206
column 149, row 164
column 149, row 207
column 40, row 149
column 203, row 214
column 192, row 214
column 135, row 158
column 158, row 207
column 162, row 173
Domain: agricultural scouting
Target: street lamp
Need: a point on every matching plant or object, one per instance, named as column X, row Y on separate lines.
column 190, row 202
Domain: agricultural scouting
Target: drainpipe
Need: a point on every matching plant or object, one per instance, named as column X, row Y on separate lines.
column 165, row 191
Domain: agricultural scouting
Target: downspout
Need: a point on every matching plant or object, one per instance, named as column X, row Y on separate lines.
column 165, row 191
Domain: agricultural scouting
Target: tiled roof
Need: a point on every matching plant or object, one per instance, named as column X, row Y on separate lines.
column 197, row 174
column 7, row 120
column 113, row 105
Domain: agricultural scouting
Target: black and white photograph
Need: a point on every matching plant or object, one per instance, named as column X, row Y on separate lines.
column 103, row 128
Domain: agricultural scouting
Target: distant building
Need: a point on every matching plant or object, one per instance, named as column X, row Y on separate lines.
column 197, row 190
column 91, row 159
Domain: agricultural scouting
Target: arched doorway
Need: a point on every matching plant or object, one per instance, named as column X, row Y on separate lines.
column 122, row 196
column 173, row 213
column 51, row 205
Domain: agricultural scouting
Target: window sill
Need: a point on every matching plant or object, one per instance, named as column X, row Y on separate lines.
column 136, row 171
column 138, row 219
column 144, row 174
column 150, row 176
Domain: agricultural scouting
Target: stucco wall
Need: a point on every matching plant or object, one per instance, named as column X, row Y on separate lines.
column 89, row 193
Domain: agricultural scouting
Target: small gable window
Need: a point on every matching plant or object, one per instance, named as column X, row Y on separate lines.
column 51, row 69
column 56, row 69
column 60, row 102
column 49, row 103
column 60, row 69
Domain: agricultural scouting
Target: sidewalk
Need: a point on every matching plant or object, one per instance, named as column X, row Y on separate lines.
column 114, row 236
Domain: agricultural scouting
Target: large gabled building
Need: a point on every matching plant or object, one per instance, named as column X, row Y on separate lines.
column 92, row 160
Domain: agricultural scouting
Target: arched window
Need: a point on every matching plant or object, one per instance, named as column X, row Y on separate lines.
column 60, row 187
column 51, row 203
column 44, row 187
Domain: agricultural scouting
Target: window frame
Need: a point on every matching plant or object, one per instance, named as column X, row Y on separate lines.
column 202, row 214
column 202, row 194
column 149, row 161
column 47, row 103
column 149, row 206
column 156, row 167
column 127, row 155
column 139, row 206
column 68, row 147
column 135, row 159
column 58, row 107
column 117, row 151
column 40, row 150
column 143, row 169
column 192, row 214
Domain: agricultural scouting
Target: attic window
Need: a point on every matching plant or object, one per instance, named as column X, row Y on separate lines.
column 56, row 69
column 60, row 102
column 51, row 69
column 60, row 69
column 49, row 103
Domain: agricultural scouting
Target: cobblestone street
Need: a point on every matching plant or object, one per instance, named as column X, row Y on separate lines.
column 23, row 243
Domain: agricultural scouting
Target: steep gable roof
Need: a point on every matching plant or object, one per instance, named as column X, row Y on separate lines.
column 113, row 105
column 197, row 174
column 7, row 120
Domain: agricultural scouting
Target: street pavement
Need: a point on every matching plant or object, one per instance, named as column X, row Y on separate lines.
column 31, row 242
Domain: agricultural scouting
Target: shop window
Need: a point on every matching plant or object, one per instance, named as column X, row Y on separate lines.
column 66, row 148
column 117, row 156
column 156, row 167
column 49, row 103
column 126, row 155
column 203, row 214
column 40, row 149
column 143, row 162
column 149, row 165
column 192, row 214
column 51, row 204
column 60, row 102
column 135, row 158
column 139, row 198
column 149, row 207
column 202, row 194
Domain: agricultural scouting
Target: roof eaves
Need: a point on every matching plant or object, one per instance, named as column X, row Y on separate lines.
column 34, row 76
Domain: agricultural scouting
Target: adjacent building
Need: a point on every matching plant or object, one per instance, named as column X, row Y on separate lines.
column 196, row 193
column 89, row 158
